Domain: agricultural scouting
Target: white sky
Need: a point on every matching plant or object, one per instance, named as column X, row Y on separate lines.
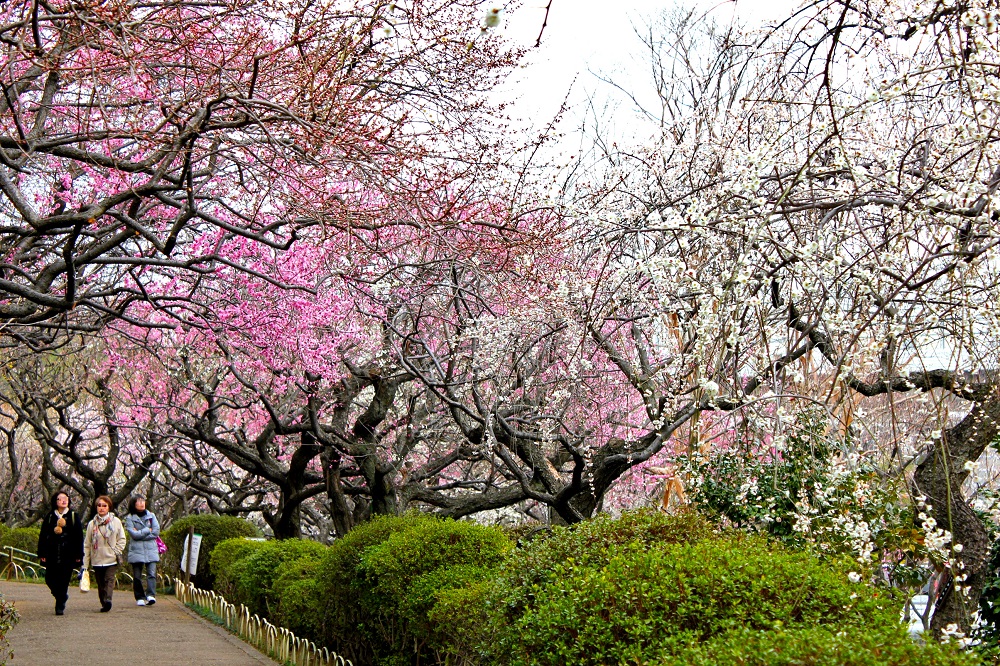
column 584, row 36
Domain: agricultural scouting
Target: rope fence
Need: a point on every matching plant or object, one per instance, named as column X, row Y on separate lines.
column 277, row 642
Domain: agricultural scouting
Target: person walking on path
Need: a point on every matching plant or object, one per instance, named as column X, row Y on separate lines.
column 142, row 528
column 60, row 548
column 102, row 546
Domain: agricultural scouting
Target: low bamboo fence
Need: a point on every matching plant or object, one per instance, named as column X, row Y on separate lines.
column 276, row 642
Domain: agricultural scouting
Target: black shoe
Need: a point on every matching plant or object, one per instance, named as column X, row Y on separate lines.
column 105, row 607
column 59, row 611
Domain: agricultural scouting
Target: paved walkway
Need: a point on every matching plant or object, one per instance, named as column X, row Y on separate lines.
column 167, row 634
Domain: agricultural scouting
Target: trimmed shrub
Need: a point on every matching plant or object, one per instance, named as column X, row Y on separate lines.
column 643, row 589
column 423, row 594
column 647, row 604
column 612, row 592
column 213, row 530
column 394, row 566
column 592, row 542
column 342, row 586
column 820, row 647
column 407, row 571
column 251, row 577
column 23, row 538
column 297, row 598
column 223, row 556
column 384, row 578
column 460, row 623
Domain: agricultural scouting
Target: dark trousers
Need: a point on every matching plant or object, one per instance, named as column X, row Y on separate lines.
column 57, row 578
column 105, row 582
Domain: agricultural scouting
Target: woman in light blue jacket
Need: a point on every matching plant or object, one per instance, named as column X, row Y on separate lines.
column 142, row 528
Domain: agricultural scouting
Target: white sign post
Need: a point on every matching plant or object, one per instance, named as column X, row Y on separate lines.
column 193, row 559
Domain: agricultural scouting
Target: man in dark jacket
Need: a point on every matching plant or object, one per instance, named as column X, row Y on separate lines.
column 60, row 548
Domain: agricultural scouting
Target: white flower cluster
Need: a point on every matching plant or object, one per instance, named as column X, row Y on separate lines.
column 936, row 539
column 841, row 508
column 952, row 632
column 803, row 523
column 858, row 534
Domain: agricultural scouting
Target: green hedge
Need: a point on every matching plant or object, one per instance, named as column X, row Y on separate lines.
column 341, row 586
column 820, row 646
column 608, row 592
column 276, row 579
column 647, row 604
column 252, row 576
column 369, row 595
column 214, row 530
column 222, row 557
column 382, row 580
column 407, row 572
column 24, row 538
column 645, row 589
column 591, row 542
column 298, row 598
column 462, row 624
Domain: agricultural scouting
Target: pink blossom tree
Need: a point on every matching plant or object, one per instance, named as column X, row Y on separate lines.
column 135, row 138
column 66, row 416
column 289, row 369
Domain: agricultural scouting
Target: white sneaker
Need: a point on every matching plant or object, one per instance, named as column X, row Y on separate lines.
column 141, row 602
column 150, row 600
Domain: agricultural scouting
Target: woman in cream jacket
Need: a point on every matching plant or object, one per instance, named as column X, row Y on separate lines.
column 102, row 546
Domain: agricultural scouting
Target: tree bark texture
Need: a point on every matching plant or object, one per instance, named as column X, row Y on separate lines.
column 940, row 477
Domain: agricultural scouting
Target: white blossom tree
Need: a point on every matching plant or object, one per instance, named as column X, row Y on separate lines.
column 815, row 223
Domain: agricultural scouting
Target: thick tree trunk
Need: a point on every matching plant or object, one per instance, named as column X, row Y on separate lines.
column 340, row 512
column 378, row 474
column 287, row 524
column 939, row 477
column 385, row 499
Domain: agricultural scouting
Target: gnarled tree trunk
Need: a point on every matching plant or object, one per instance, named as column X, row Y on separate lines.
column 939, row 478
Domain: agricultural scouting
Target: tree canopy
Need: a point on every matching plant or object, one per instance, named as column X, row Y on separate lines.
column 287, row 260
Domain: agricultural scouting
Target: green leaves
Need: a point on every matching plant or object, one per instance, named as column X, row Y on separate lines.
column 384, row 581
column 645, row 589
column 817, row 646
column 22, row 538
column 253, row 575
column 647, row 600
column 607, row 592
